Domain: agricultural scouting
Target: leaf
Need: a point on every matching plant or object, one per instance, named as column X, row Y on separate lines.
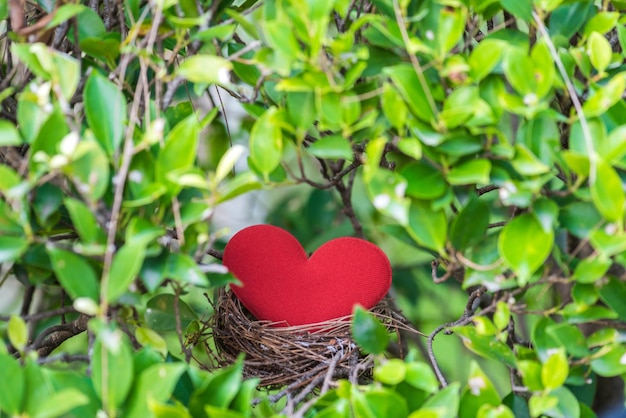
column 112, row 368
column 179, row 152
column 555, row 370
column 218, row 389
column 332, row 147
column 526, row 163
column 470, row 172
column 607, row 192
column 446, row 401
column 421, row 376
column 612, row 362
column 613, row 293
column 524, row 245
column 368, row 332
column 424, row 181
column 17, row 332
column 408, row 84
column 394, row 108
column 479, row 391
column 160, row 313
column 9, row 135
column 470, row 225
column 521, row 9
column 570, row 337
column 599, row 51
column 591, row 269
column 12, row 248
column 426, row 226
column 90, row 171
column 206, row 69
column 485, row 57
column 182, row 267
column 391, row 372
column 75, row 274
column 11, row 389
column 155, row 384
column 485, row 345
column 266, row 142
column 546, row 212
column 517, row 67
column 84, row 221
column 60, row 403
column 125, row 268
column 105, row 109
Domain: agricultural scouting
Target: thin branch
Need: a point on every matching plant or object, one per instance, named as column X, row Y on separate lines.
column 466, row 318
column 573, row 96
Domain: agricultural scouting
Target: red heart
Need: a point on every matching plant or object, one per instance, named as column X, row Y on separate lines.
column 282, row 284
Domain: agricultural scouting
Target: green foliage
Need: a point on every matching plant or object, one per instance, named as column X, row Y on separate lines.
column 487, row 137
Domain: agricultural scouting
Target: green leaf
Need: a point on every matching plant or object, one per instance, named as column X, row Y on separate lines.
column 546, row 212
column 612, row 362
column 408, row 84
column 206, row 69
column 485, row 345
column 12, row 248
column 147, row 337
column 555, row 370
column 179, row 152
column 60, row 403
column 394, row 108
column 218, row 389
column 613, row 293
column 607, row 192
column 75, row 274
column 445, row 402
column 485, row 57
column 160, row 313
column 105, row 109
column 84, row 221
column 17, row 332
column 591, row 269
column 524, row 245
column 390, row 372
column 599, row 51
column 521, row 9
column 182, row 267
column 531, row 374
column 502, row 315
column 601, row 23
column 125, row 268
column 470, row 172
column 421, row 376
column 424, row 181
column 8, row 179
column 411, row 147
column 301, row 109
column 470, row 225
column 266, row 142
column 369, row 333
column 112, row 368
column 426, row 226
column 479, row 391
column 526, row 163
column 333, row 147
column 90, row 171
column 570, row 337
column 11, row 389
column 517, row 67
column 155, row 384
column 9, row 135
column 606, row 96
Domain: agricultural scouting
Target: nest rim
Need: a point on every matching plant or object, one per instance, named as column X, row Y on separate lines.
column 291, row 356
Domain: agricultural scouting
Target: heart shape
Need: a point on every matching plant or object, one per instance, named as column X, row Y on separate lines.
column 281, row 284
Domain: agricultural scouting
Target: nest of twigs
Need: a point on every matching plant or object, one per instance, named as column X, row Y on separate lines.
column 293, row 357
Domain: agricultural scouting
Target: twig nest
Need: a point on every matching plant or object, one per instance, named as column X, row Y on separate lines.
column 295, row 357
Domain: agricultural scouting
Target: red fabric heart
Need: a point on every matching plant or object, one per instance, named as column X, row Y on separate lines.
column 282, row 284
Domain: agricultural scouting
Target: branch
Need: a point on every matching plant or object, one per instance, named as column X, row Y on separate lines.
column 468, row 315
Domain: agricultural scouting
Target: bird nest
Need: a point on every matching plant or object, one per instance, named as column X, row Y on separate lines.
column 294, row 357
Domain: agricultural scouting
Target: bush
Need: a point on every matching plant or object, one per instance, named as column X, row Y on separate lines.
column 481, row 143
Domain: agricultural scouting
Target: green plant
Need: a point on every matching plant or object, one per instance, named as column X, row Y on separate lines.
column 485, row 136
